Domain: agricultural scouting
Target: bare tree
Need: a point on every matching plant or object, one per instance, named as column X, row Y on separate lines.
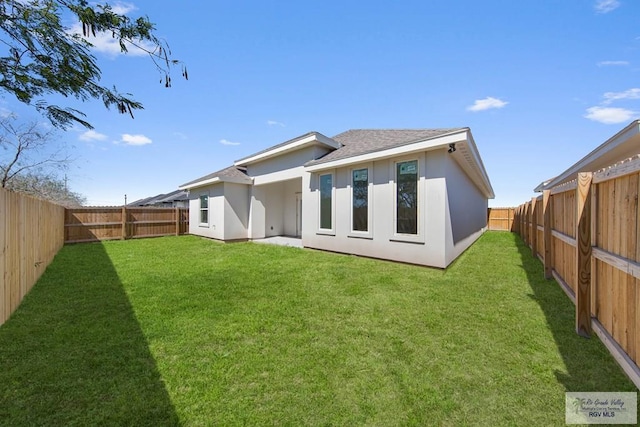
column 32, row 159
column 50, row 188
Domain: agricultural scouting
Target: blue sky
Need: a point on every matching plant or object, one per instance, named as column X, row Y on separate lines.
column 540, row 83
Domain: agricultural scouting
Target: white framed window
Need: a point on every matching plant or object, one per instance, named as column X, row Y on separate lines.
column 204, row 209
column 361, row 202
column 326, row 203
column 407, row 198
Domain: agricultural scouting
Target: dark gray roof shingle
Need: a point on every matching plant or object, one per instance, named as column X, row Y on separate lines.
column 362, row 141
column 229, row 172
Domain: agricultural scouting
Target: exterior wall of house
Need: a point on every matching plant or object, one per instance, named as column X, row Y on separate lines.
column 284, row 167
column 382, row 241
column 274, row 220
column 257, row 212
column 236, row 211
column 273, row 209
column 273, row 195
column 292, row 190
column 228, row 211
column 215, row 226
column 466, row 210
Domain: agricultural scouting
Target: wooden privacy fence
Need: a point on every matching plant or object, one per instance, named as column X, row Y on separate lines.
column 31, row 233
column 586, row 233
column 500, row 219
column 108, row 223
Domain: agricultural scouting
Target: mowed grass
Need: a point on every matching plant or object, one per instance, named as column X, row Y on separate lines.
column 188, row 331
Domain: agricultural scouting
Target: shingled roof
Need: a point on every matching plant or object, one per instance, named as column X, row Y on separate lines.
column 231, row 173
column 362, row 141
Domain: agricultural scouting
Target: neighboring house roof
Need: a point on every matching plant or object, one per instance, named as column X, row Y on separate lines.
column 310, row 138
column 229, row 174
column 139, row 202
column 362, row 141
column 174, row 196
column 621, row 146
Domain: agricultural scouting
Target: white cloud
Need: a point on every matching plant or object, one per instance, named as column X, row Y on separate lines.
column 226, row 142
column 181, row 136
column 122, row 8
column 92, row 135
column 135, row 139
column 5, row 113
column 610, row 115
column 486, row 104
column 275, row 123
column 105, row 43
column 606, row 6
column 633, row 93
column 612, row 63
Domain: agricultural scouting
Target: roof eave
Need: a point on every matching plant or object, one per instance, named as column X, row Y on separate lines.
column 587, row 162
column 419, row 145
column 460, row 136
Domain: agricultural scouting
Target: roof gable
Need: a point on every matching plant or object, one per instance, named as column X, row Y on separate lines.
column 356, row 142
column 308, row 139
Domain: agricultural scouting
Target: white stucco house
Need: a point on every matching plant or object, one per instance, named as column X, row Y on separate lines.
column 417, row 196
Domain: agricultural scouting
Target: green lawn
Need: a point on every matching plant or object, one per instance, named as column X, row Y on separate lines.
column 183, row 330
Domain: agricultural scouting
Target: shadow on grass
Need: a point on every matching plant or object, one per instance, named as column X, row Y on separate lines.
column 589, row 365
column 74, row 353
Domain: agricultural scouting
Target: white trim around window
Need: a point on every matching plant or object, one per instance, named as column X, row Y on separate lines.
column 361, row 201
column 327, row 203
column 413, row 223
column 203, row 211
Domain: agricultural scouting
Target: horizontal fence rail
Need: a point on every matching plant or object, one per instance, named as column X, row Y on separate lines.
column 501, row 219
column 109, row 223
column 31, row 233
column 587, row 234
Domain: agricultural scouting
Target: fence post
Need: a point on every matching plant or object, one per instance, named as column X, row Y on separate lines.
column 510, row 215
column 177, row 212
column 547, row 237
column 534, row 227
column 124, row 223
column 583, row 254
column 525, row 222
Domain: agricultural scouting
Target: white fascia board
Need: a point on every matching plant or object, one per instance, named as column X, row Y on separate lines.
column 294, row 145
column 479, row 166
column 216, row 180
column 200, row 183
column 279, row 176
column 429, row 144
column 583, row 165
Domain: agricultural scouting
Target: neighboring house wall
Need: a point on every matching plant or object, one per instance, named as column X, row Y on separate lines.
column 381, row 241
